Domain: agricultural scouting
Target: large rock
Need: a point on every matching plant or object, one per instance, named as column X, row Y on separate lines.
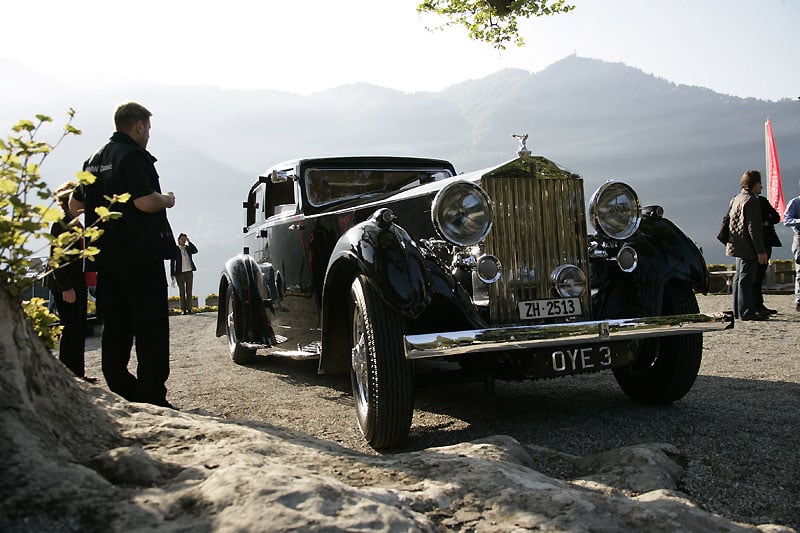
column 75, row 458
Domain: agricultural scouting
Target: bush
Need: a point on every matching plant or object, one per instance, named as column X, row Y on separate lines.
column 42, row 321
column 28, row 207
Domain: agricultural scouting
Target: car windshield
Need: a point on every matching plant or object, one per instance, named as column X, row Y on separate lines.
column 326, row 185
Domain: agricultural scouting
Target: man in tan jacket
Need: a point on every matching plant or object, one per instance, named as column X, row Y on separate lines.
column 746, row 244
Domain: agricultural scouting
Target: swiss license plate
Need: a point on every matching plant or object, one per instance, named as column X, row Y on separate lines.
column 555, row 307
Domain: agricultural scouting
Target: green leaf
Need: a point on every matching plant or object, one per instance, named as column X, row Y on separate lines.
column 121, row 198
column 24, row 125
column 85, row 178
column 8, row 185
column 49, row 214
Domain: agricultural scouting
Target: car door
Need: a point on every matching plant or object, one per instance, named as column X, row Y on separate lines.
column 285, row 249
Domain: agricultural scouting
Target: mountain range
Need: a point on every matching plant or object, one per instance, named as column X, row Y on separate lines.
column 679, row 146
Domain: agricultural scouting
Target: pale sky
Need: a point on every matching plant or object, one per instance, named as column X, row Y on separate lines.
column 739, row 47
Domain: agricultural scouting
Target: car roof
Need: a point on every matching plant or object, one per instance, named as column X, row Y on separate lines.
column 362, row 161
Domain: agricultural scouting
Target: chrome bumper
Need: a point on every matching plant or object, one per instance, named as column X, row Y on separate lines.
column 546, row 335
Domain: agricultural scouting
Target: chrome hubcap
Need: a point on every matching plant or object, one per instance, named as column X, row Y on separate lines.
column 231, row 326
column 359, row 362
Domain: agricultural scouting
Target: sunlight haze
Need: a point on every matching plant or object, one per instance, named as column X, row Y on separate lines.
column 738, row 47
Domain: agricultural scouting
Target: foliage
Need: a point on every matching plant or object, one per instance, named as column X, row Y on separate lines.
column 492, row 21
column 174, row 311
column 28, row 207
column 42, row 321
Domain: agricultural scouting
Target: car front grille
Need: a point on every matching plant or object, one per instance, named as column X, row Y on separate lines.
column 539, row 223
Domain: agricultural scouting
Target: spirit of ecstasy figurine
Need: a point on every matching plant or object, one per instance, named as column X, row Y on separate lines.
column 523, row 150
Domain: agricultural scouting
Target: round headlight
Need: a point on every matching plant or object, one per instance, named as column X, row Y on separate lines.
column 569, row 281
column 462, row 214
column 614, row 210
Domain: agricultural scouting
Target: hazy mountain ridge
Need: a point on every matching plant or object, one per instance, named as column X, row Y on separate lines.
column 679, row 146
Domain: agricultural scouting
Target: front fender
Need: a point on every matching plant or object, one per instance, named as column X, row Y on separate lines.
column 244, row 277
column 387, row 255
column 665, row 254
column 384, row 253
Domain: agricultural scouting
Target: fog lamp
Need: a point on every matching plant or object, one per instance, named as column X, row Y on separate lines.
column 488, row 268
column 627, row 259
column 569, row 281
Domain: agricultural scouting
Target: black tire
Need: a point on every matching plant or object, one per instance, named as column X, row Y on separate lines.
column 241, row 355
column 665, row 368
column 382, row 378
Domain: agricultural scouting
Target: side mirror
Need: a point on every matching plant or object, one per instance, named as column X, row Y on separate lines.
column 279, row 176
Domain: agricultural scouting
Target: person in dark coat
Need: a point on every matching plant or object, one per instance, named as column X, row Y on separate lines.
column 746, row 244
column 130, row 264
column 182, row 269
column 769, row 217
column 68, row 286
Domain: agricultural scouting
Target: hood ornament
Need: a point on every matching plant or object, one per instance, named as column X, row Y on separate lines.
column 523, row 150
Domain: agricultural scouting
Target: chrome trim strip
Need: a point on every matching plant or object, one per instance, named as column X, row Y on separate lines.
column 544, row 335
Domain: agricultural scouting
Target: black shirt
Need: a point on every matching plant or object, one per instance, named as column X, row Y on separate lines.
column 136, row 238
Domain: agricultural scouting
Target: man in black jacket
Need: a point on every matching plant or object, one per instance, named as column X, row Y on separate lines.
column 68, row 287
column 769, row 217
column 131, row 280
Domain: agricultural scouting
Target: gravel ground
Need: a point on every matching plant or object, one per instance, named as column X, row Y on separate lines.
column 737, row 428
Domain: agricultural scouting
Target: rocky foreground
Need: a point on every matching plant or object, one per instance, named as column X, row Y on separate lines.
column 76, row 458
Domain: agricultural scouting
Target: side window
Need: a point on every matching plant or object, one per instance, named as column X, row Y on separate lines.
column 280, row 199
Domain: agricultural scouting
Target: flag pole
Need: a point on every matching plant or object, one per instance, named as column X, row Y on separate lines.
column 766, row 156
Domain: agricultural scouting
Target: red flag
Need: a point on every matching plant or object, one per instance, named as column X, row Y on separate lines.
column 774, row 185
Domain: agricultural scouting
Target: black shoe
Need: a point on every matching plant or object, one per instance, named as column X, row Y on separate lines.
column 87, row 379
column 755, row 317
column 797, row 307
column 767, row 311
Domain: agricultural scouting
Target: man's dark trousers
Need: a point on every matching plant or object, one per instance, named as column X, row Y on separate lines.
column 743, row 282
column 135, row 310
column 73, row 338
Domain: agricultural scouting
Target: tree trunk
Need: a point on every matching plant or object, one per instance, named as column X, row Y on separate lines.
column 49, row 427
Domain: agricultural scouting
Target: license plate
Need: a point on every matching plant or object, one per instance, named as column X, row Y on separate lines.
column 556, row 307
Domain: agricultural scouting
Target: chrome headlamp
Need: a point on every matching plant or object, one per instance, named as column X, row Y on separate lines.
column 615, row 210
column 461, row 213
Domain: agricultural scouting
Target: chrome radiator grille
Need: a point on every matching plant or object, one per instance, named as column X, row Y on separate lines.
column 539, row 223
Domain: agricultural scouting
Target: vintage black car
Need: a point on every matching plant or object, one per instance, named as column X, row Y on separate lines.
column 373, row 263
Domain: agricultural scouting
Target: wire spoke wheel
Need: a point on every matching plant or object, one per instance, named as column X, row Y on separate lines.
column 382, row 378
column 239, row 353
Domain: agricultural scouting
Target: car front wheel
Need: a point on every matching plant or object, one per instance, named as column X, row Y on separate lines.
column 240, row 354
column 667, row 367
column 383, row 380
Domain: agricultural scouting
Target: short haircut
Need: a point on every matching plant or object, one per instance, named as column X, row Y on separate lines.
column 127, row 115
column 749, row 179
